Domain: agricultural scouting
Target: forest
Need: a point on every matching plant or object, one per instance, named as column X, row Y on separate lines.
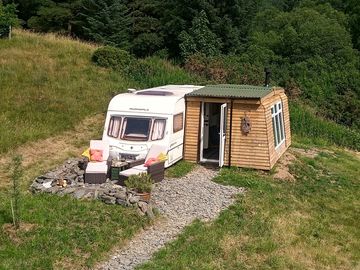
column 311, row 46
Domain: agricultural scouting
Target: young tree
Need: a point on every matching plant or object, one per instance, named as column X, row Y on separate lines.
column 8, row 19
column 16, row 176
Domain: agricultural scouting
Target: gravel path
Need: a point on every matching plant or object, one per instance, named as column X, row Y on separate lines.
column 180, row 201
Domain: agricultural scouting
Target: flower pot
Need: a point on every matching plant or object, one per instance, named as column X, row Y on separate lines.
column 145, row 196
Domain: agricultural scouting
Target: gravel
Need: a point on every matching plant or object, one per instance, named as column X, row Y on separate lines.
column 180, row 201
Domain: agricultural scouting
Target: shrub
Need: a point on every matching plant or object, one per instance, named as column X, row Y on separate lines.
column 140, row 183
column 306, row 124
column 111, row 57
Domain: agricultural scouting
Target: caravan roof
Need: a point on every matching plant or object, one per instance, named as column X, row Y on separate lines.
column 158, row 100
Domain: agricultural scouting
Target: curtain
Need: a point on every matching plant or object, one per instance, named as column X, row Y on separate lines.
column 114, row 127
column 158, row 130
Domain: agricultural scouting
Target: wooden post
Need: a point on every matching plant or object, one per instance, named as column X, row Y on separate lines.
column 10, row 31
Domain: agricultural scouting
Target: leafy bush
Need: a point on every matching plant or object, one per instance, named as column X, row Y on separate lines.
column 140, row 183
column 306, row 124
column 111, row 57
column 154, row 71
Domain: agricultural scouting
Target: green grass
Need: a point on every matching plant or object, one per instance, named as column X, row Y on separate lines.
column 66, row 233
column 179, row 169
column 311, row 129
column 48, row 85
column 311, row 223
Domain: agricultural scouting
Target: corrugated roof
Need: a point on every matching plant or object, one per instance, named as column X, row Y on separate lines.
column 231, row 91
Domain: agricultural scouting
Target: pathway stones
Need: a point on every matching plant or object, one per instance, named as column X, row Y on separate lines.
column 180, row 201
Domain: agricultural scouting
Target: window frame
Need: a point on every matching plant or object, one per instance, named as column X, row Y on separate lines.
column 136, row 139
column 277, row 118
column 182, row 122
column 111, row 126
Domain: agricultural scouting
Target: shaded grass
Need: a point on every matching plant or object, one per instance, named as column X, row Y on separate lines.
column 179, row 169
column 67, row 233
column 309, row 224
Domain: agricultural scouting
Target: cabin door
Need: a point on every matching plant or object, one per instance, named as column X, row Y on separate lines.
column 222, row 133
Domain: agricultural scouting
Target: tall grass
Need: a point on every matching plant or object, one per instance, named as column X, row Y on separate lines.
column 48, row 85
column 314, row 129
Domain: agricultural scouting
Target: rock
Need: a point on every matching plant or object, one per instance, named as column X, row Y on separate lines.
column 149, row 212
column 134, row 199
column 78, row 194
column 120, row 195
column 108, row 199
column 121, row 202
column 143, row 206
column 69, row 190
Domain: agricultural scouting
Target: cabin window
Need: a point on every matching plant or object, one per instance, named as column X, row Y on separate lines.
column 114, row 126
column 178, row 122
column 136, row 129
column 158, row 129
column 278, row 124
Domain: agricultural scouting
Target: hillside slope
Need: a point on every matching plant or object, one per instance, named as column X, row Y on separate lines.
column 48, row 84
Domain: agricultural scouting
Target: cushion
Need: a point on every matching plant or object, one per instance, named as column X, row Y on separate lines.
column 155, row 151
column 97, row 167
column 96, row 155
column 101, row 145
column 151, row 161
column 140, row 168
column 131, row 171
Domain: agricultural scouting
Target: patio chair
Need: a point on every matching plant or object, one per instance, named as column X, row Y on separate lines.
column 96, row 171
column 156, row 169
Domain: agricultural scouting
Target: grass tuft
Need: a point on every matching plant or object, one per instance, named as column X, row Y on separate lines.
column 179, row 169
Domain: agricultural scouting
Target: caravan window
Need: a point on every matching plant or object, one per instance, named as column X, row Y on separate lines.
column 158, row 129
column 178, row 122
column 114, row 126
column 136, row 129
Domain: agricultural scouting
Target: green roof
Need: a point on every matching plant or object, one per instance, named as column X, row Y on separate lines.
column 231, row 91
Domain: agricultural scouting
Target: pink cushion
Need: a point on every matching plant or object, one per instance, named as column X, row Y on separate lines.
column 96, row 155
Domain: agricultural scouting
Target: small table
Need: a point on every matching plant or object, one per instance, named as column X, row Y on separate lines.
column 116, row 167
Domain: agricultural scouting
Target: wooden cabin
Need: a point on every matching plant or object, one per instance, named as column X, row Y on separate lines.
column 237, row 125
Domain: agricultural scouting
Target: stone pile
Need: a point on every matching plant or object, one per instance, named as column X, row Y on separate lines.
column 69, row 179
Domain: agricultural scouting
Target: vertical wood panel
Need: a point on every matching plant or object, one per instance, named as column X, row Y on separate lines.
column 192, row 128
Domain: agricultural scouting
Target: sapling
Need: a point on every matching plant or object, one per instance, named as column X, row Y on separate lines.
column 16, row 176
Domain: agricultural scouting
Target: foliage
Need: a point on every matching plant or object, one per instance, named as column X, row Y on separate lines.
column 139, row 182
column 7, row 18
column 312, row 128
column 179, row 169
column 199, row 39
column 105, row 21
column 309, row 223
column 111, row 57
column 16, row 176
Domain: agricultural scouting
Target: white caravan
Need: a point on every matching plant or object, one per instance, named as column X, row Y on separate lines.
column 136, row 120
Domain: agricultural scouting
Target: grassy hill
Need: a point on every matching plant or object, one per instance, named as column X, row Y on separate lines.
column 52, row 100
column 48, row 84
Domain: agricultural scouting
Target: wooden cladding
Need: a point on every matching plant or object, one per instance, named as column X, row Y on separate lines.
column 253, row 150
column 192, row 129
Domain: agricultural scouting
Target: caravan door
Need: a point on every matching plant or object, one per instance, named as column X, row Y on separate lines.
column 223, row 118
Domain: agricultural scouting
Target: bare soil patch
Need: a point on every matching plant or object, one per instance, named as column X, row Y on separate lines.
column 12, row 232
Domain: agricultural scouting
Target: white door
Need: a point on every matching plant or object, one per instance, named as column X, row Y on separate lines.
column 223, row 117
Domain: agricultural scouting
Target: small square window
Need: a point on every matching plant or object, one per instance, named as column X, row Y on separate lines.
column 178, row 122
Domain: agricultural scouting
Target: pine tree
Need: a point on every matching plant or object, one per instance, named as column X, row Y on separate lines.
column 199, row 38
column 106, row 21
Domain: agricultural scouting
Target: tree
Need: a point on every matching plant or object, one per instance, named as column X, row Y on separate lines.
column 105, row 21
column 199, row 38
column 8, row 18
